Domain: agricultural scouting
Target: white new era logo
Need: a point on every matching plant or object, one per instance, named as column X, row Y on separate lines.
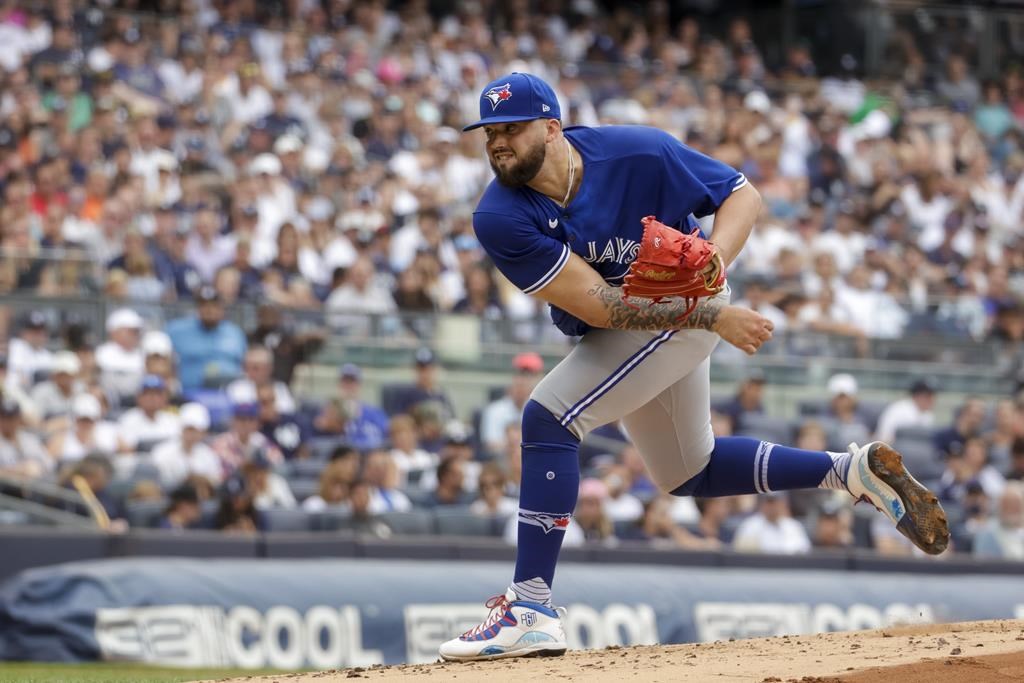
column 545, row 107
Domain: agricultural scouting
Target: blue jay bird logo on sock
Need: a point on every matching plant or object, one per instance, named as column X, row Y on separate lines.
column 545, row 520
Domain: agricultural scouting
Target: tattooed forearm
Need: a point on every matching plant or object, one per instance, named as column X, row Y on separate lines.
column 642, row 314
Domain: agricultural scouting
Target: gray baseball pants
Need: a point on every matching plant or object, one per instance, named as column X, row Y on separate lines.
column 657, row 383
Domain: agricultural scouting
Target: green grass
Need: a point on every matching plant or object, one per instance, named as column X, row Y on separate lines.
column 107, row 672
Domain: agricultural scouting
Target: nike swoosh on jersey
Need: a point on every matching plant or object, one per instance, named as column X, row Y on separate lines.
column 552, row 223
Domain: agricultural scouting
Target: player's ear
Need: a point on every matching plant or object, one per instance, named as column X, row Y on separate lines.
column 554, row 128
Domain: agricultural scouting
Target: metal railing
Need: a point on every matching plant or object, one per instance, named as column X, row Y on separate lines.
column 468, row 342
column 43, row 501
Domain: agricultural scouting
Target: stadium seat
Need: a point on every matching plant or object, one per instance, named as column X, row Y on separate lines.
column 209, row 513
column 331, row 520
column 871, row 410
column 812, row 407
column 305, row 468
column 145, row 514
column 145, row 469
column 765, row 427
column 416, row 523
column 474, row 423
column 218, row 382
column 287, row 520
column 14, row 518
column 916, row 433
column 304, row 488
column 460, row 521
column 391, row 396
column 146, row 445
column 862, row 529
column 920, row 458
column 119, row 488
column 216, row 402
column 321, row 447
column 624, row 527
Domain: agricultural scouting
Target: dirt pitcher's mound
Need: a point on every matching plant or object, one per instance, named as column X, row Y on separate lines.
column 970, row 652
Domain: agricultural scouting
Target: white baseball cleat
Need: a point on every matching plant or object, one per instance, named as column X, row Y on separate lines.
column 514, row 628
column 878, row 476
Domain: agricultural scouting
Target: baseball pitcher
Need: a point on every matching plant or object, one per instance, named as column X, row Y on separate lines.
column 599, row 222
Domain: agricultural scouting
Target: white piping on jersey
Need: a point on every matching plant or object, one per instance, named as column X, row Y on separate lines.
column 615, row 377
column 742, row 181
column 550, row 275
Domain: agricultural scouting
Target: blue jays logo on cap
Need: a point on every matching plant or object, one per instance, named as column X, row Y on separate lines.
column 533, row 99
column 498, row 95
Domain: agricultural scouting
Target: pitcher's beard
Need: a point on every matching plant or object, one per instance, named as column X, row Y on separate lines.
column 520, row 173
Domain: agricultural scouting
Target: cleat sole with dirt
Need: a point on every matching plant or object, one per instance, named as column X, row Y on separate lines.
column 925, row 521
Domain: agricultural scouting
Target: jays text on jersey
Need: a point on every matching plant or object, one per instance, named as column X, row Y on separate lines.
column 629, row 172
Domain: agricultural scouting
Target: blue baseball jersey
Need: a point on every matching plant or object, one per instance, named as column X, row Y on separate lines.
column 629, row 172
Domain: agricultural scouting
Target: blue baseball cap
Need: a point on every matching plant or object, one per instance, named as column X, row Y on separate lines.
column 153, row 382
column 516, row 97
column 246, row 410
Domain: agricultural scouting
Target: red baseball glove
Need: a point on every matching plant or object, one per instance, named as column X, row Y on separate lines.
column 671, row 263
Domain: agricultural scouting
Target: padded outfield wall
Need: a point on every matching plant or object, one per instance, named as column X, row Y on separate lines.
column 328, row 613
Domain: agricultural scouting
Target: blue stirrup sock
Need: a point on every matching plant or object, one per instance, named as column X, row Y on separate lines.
column 741, row 465
column 547, row 497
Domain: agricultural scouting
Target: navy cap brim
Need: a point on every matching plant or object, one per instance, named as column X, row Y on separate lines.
column 500, row 119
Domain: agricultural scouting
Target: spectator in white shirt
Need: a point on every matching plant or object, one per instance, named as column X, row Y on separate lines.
column 772, row 529
column 842, row 390
column 336, row 479
column 844, row 242
column 258, row 367
column 183, row 79
column 426, row 232
column 381, row 473
column 508, row 409
column 207, row 250
column 53, row 398
column 360, row 293
column 621, row 505
column 244, row 94
column 269, row 489
column 491, row 500
column 89, row 434
column 755, row 297
column 275, row 201
column 875, row 313
column 21, row 451
column 188, row 454
column 927, row 207
column 914, row 411
column 412, row 460
column 11, row 390
column 159, row 359
column 1003, row 536
column 120, row 358
column 27, row 353
column 150, row 421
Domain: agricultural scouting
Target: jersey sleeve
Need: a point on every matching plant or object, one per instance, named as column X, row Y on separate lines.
column 701, row 182
column 526, row 256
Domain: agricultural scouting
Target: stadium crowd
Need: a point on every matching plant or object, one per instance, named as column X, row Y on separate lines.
column 311, row 160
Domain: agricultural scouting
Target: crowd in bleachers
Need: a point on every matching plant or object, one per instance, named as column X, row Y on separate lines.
column 158, row 449
column 306, row 156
